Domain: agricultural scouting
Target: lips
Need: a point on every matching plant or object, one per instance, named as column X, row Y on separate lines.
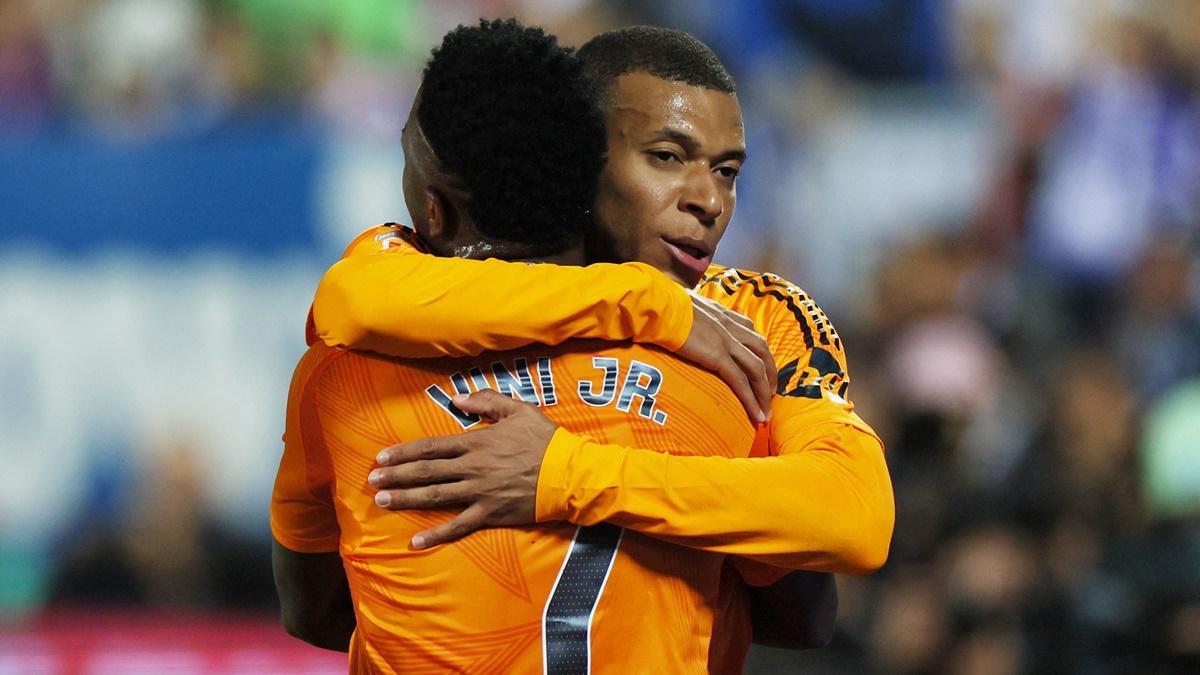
column 690, row 254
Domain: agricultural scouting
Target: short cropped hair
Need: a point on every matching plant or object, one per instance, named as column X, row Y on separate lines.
column 662, row 52
column 508, row 112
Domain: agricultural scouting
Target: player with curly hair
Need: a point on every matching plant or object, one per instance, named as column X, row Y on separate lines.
column 503, row 151
column 820, row 501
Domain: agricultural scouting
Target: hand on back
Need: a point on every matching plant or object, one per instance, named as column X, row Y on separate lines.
column 725, row 342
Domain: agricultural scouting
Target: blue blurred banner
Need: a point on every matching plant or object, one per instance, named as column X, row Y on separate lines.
column 249, row 191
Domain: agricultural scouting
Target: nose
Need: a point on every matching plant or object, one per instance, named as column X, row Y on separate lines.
column 702, row 196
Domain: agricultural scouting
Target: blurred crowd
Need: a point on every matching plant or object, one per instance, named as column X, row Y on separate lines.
column 1027, row 342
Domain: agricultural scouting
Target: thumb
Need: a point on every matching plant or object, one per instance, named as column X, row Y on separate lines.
column 489, row 403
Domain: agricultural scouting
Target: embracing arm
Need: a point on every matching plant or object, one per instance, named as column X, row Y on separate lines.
column 387, row 296
column 823, row 500
column 824, row 503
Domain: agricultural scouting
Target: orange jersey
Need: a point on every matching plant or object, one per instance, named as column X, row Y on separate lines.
column 821, row 501
column 548, row 598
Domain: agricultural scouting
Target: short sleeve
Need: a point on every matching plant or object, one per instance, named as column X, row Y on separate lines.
column 303, row 518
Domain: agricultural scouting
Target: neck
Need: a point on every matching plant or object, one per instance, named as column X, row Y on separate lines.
column 483, row 249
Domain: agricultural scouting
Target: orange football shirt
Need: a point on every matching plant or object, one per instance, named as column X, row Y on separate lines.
column 822, row 499
column 548, row 598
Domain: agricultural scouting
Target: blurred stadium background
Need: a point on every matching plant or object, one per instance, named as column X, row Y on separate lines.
column 996, row 201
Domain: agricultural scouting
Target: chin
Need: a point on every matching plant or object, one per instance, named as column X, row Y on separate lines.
column 687, row 278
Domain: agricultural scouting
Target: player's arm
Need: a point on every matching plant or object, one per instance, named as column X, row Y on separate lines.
column 824, row 503
column 797, row 612
column 314, row 595
column 387, row 296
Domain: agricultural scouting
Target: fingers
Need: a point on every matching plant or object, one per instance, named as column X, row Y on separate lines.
column 731, row 316
column 735, row 378
column 434, row 447
column 438, row 496
column 762, row 384
column 417, row 473
column 454, row 529
column 489, row 403
column 711, row 345
column 726, row 343
column 749, row 351
column 755, row 343
column 761, row 370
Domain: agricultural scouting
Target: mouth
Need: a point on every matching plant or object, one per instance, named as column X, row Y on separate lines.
column 693, row 254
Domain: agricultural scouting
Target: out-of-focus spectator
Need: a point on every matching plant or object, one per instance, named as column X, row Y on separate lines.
column 1170, row 472
column 26, row 86
column 1122, row 165
column 1157, row 329
column 162, row 547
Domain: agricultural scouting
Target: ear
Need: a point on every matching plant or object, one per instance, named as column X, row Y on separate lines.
column 442, row 218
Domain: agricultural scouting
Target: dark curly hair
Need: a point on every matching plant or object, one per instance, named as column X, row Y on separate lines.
column 509, row 113
column 662, row 52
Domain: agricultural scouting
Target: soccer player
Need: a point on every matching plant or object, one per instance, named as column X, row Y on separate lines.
column 821, row 501
column 553, row 597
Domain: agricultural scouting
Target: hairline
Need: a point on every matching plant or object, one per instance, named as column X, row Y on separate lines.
column 606, row 88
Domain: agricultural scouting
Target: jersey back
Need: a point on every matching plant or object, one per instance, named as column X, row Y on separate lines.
column 550, row 598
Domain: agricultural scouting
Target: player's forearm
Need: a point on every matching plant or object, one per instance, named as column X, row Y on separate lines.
column 827, row 508
column 417, row 305
column 797, row 612
column 314, row 597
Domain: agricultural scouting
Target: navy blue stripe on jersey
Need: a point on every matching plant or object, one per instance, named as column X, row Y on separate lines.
column 567, row 623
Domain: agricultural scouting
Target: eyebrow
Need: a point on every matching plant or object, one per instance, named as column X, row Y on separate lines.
column 691, row 143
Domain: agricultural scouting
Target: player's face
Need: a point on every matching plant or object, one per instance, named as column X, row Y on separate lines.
column 667, row 191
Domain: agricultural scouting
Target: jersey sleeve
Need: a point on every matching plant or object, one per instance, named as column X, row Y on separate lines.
column 822, row 500
column 303, row 518
column 800, row 510
column 392, row 298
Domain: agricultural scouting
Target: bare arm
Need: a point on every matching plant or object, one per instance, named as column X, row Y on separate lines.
column 314, row 597
column 797, row 612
